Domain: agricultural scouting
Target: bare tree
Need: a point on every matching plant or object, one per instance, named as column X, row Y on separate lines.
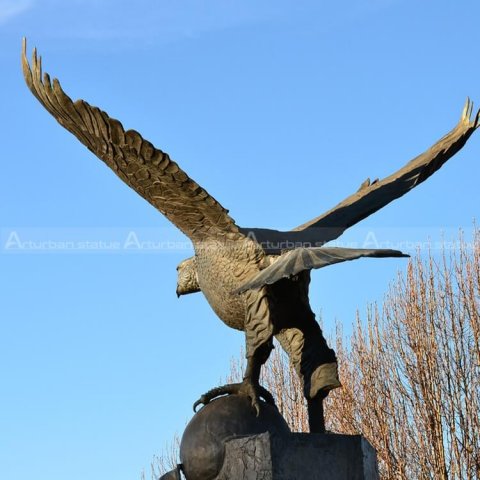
column 167, row 460
column 411, row 374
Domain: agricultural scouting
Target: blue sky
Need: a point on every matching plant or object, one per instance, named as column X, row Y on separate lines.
column 280, row 110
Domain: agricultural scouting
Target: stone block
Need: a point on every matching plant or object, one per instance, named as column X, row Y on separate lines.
column 299, row 456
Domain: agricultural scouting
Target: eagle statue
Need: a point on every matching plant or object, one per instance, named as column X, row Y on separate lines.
column 255, row 279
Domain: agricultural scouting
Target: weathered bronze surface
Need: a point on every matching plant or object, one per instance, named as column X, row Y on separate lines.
column 256, row 280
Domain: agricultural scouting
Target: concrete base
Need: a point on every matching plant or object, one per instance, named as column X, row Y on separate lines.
column 301, row 456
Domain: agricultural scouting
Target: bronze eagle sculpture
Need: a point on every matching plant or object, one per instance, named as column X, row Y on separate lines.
column 255, row 279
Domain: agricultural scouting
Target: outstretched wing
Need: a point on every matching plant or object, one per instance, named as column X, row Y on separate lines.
column 146, row 169
column 295, row 261
column 373, row 196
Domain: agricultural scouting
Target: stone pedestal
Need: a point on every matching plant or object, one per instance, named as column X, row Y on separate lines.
column 299, row 456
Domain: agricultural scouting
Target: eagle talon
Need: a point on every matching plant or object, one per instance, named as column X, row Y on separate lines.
column 251, row 389
column 214, row 393
column 255, row 391
column 201, row 401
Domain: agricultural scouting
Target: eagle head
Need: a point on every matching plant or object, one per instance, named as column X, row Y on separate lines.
column 187, row 279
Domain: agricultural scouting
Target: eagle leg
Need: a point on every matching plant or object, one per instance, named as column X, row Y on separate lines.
column 316, row 419
column 251, row 382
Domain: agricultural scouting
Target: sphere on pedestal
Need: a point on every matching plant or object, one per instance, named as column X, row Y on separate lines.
column 202, row 448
